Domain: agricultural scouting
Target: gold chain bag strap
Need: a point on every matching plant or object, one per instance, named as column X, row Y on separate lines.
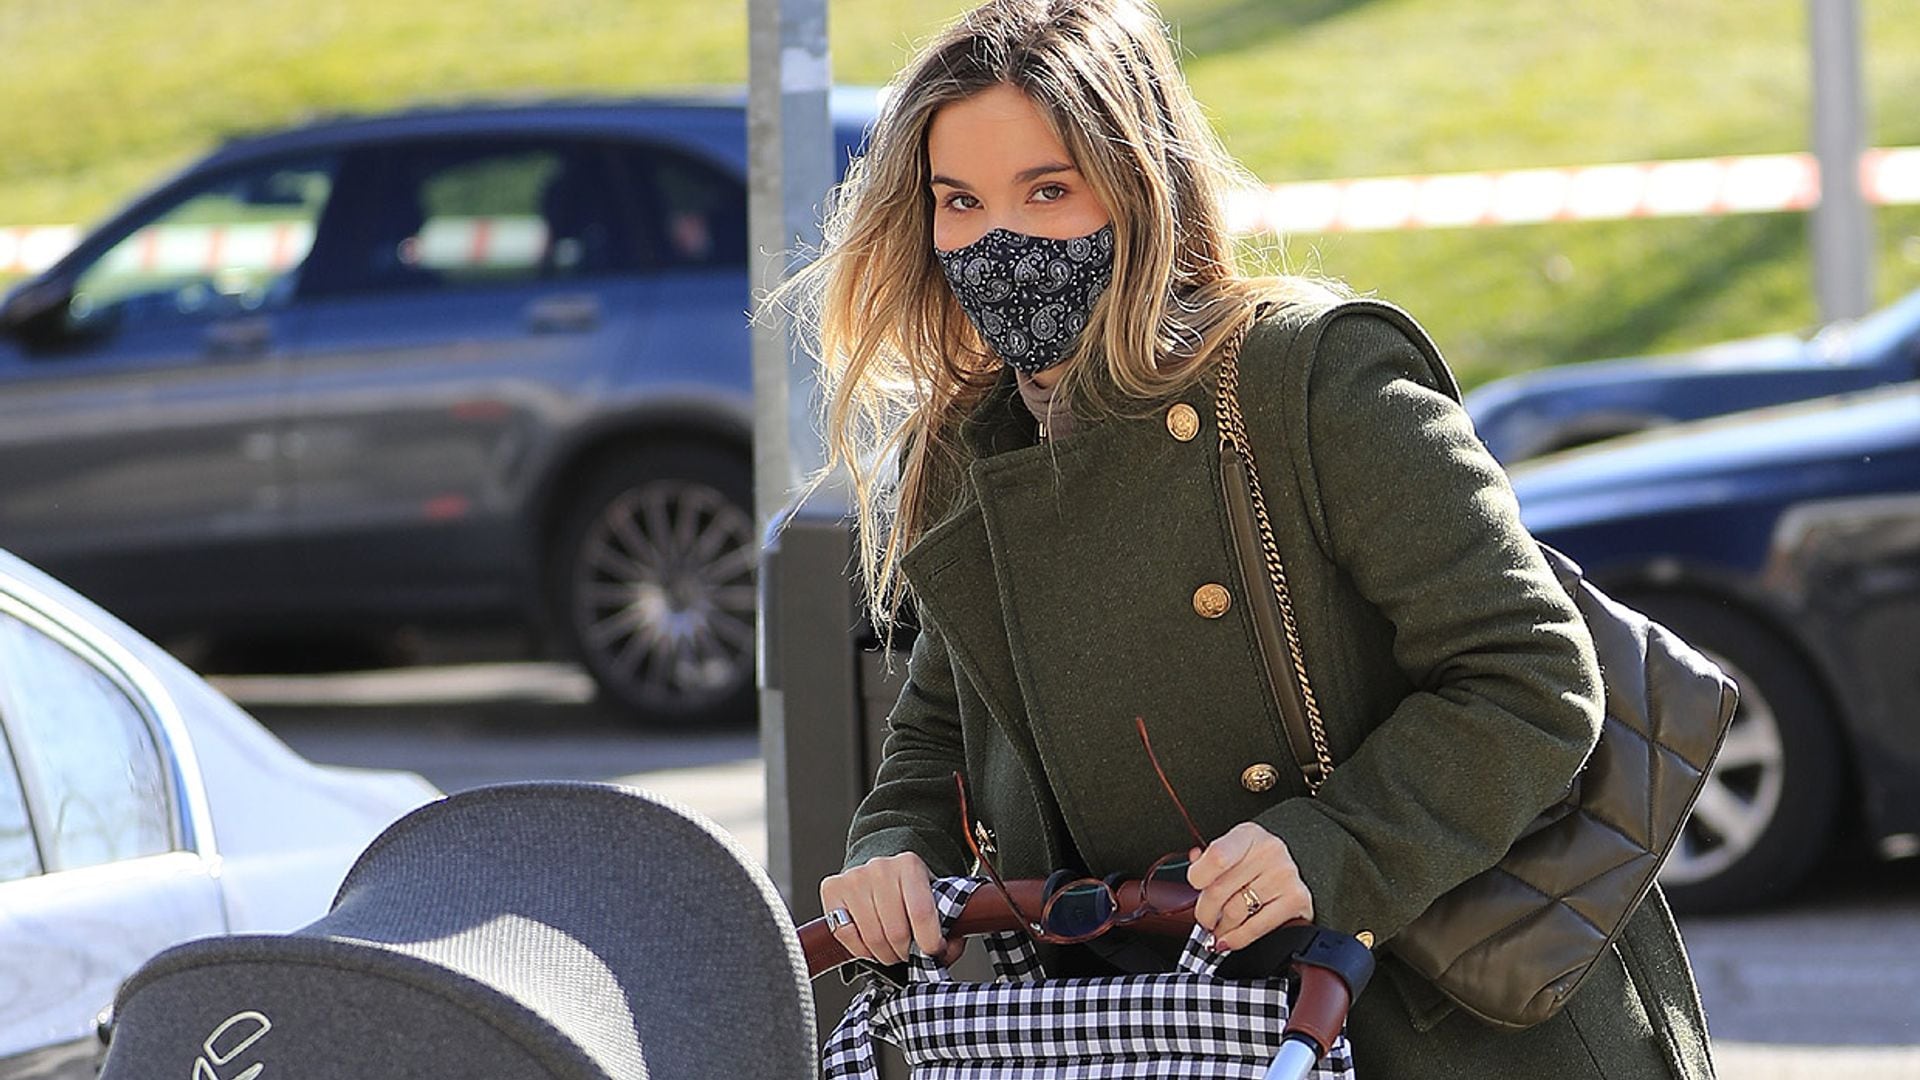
column 1247, row 509
column 1512, row 944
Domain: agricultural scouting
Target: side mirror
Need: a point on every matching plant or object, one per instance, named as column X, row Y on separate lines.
column 36, row 312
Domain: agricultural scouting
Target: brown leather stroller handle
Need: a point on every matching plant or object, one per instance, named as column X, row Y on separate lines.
column 1320, row 1008
column 1331, row 967
column 987, row 913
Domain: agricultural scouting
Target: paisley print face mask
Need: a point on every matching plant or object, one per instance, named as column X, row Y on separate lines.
column 1029, row 296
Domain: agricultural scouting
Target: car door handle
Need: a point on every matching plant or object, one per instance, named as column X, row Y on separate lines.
column 563, row 314
column 239, row 337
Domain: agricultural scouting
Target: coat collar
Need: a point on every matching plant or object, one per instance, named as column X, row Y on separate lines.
column 1000, row 422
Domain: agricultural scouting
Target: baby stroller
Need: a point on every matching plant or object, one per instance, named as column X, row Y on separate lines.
column 550, row 931
column 1185, row 1023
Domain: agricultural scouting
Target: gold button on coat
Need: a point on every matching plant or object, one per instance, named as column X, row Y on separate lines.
column 1260, row 777
column 1212, row 600
column 1183, row 422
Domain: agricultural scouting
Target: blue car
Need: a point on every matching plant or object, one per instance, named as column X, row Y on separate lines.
column 1785, row 543
column 478, row 366
column 1559, row 408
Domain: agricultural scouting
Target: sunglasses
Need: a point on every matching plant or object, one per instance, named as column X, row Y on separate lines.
column 1085, row 908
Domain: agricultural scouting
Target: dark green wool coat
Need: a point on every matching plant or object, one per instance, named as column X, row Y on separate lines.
column 1457, row 682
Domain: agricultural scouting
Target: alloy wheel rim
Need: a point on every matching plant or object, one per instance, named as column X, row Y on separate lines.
column 1742, row 794
column 663, row 594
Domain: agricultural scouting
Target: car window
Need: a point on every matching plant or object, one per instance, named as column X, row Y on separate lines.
column 19, row 855
column 228, row 247
column 90, row 762
column 694, row 214
column 462, row 214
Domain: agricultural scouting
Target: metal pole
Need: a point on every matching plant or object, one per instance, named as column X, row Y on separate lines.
column 790, row 168
column 816, row 757
column 1842, row 223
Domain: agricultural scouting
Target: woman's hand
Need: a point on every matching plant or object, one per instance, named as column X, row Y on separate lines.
column 891, row 902
column 1247, row 857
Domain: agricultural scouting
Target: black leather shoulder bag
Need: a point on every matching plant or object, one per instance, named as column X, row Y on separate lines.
column 1512, row 944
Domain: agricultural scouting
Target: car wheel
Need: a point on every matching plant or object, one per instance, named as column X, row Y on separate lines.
column 652, row 576
column 1768, row 810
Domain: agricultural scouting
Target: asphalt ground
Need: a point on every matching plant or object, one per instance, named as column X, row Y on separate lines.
column 1825, row 985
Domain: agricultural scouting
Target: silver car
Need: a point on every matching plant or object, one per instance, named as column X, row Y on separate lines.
column 140, row 808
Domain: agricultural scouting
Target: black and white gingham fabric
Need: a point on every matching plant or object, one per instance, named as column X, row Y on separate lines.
column 1182, row 1024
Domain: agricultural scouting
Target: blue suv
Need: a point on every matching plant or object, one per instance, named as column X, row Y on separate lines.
column 475, row 365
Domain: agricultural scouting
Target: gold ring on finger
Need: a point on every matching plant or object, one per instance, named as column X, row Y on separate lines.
column 1254, row 903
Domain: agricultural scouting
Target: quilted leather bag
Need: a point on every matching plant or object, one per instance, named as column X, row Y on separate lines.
column 1512, row 944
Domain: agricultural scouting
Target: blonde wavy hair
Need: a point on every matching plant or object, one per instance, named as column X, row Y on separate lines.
column 900, row 366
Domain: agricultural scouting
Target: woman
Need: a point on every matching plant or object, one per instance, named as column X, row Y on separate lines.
column 1025, row 295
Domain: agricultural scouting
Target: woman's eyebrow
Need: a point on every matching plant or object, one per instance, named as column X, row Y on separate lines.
column 1039, row 171
column 1025, row 174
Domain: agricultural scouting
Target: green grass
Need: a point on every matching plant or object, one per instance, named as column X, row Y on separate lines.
column 99, row 98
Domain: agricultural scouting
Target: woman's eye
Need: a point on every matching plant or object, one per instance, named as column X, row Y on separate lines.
column 1050, row 193
column 960, row 201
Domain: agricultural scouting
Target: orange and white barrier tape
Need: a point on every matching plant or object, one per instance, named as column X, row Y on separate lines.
column 1697, row 187
column 177, row 249
column 277, row 245
column 1703, row 186
column 32, row 248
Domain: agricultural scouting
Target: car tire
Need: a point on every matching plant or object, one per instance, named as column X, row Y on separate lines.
column 651, row 577
column 1770, row 806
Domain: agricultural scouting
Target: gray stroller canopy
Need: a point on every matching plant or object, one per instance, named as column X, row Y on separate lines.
column 539, row 931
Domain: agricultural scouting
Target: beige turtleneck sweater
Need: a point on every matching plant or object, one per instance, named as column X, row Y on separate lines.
column 1055, row 419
